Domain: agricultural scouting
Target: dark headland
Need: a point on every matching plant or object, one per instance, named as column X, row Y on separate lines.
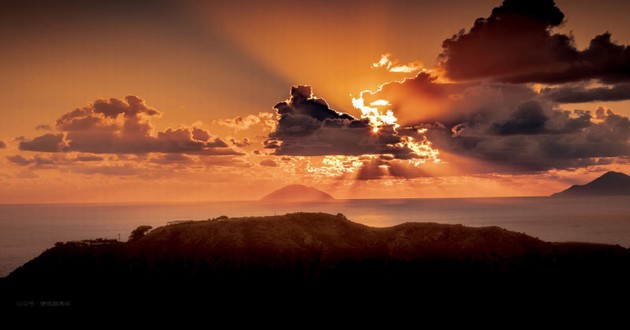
column 297, row 193
column 302, row 259
column 609, row 184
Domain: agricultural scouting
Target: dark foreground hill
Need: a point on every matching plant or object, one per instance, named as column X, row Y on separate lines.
column 297, row 260
column 609, row 184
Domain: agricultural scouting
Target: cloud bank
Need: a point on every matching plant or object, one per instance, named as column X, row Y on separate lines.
column 117, row 126
column 485, row 117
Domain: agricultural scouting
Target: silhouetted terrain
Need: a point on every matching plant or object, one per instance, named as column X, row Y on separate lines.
column 297, row 192
column 302, row 258
column 609, row 184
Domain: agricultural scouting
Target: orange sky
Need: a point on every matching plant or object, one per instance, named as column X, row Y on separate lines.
column 202, row 63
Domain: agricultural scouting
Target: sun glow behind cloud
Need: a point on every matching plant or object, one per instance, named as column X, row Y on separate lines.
column 374, row 115
column 392, row 65
column 336, row 166
column 381, row 116
column 385, row 119
column 226, row 63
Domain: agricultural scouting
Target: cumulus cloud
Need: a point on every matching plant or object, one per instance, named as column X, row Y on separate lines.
column 309, row 127
column 46, row 143
column 123, row 127
column 3, row 144
column 515, row 44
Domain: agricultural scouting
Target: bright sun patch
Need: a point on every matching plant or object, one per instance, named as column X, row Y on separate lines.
column 380, row 119
column 334, row 166
column 374, row 115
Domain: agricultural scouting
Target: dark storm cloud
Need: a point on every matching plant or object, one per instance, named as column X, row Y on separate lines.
column 123, row 127
column 529, row 118
column 508, row 125
column 533, row 138
column 515, row 44
column 579, row 94
column 309, row 127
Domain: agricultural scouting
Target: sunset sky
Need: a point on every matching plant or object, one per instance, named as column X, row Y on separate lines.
column 129, row 101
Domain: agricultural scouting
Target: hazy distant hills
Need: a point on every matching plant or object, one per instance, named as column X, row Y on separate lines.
column 302, row 259
column 609, row 184
column 297, row 192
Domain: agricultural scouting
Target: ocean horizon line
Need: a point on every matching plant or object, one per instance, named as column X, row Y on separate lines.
column 336, row 200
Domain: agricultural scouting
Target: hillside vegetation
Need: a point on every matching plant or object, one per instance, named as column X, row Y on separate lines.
column 303, row 255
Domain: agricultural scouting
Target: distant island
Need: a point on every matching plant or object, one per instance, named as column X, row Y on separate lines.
column 609, row 184
column 313, row 261
column 297, row 193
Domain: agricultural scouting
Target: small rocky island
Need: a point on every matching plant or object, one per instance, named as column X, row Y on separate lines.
column 609, row 184
column 297, row 193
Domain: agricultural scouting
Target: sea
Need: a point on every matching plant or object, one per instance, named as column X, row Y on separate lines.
column 27, row 230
